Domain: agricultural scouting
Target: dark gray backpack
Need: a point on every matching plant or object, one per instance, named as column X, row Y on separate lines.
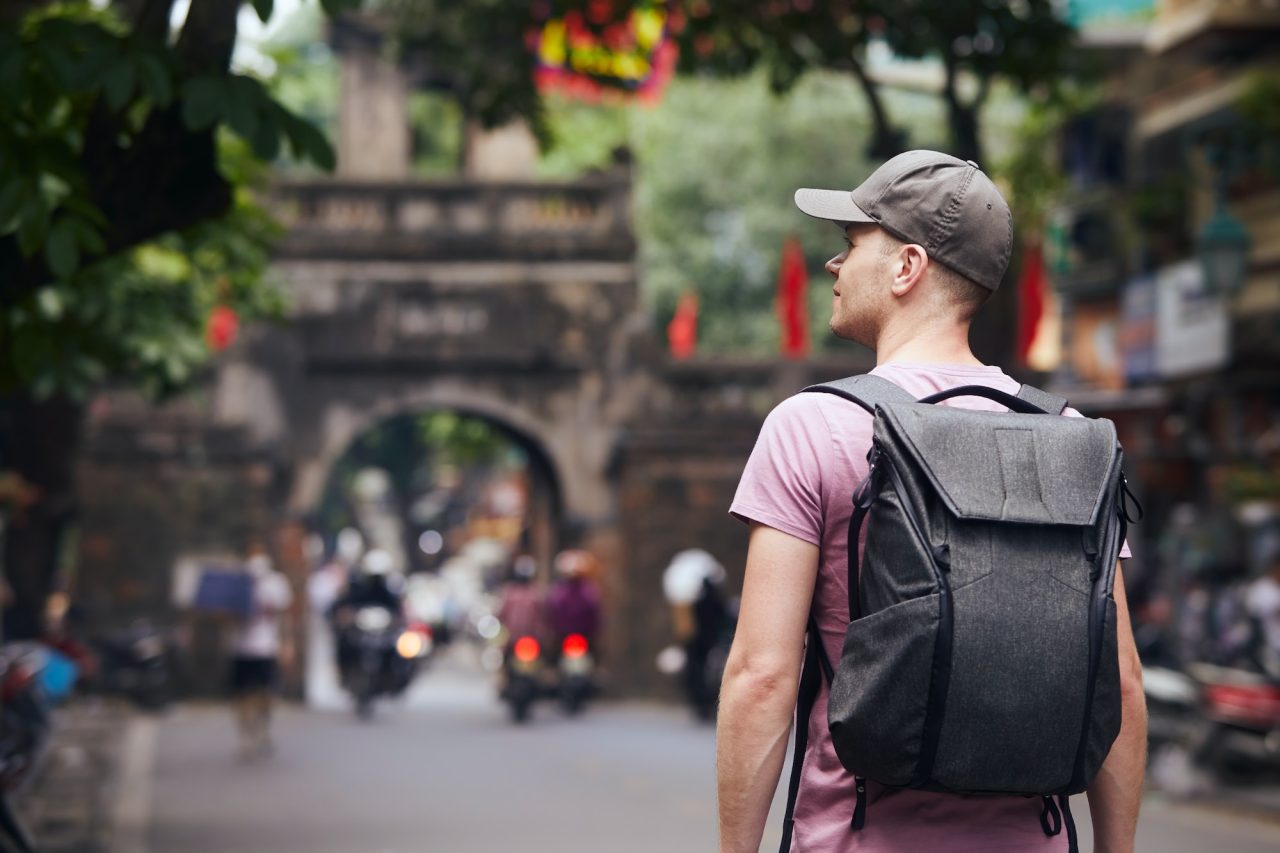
column 981, row 653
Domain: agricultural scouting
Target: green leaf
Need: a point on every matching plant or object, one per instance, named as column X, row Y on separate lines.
column 266, row 141
column 155, row 81
column 203, row 102
column 244, row 101
column 85, row 209
column 87, row 236
column 34, row 224
column 11, row 199
column 263, row 8
column 308, row 141
column 118, row 84
column 50, row 303
column 61, row 250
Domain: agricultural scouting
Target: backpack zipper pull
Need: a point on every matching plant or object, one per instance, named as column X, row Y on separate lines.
column 1125, row 497
column 860, row 805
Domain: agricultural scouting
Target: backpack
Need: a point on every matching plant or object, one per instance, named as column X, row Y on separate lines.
column 981, row 654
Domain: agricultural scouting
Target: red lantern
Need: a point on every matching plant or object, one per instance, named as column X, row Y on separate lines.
column 221, row 330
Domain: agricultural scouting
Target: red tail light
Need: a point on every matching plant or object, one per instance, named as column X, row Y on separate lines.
column 1251, row 705
column 527, row 650
column 575, row 646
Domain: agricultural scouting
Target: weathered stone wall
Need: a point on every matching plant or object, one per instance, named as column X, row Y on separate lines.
column 153, row 492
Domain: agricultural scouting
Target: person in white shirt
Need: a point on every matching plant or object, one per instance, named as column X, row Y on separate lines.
column 256, row 653
column 1262, row 600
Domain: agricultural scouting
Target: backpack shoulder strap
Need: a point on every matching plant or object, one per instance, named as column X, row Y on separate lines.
column 816, row 667
column 1051, row 403
column 865, row 390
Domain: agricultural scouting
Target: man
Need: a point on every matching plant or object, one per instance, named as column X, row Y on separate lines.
column 928, row 238
column 257, row 649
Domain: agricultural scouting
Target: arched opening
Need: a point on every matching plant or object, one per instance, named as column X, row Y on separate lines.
column 446, row 498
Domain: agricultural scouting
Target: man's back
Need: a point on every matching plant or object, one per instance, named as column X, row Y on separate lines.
column 808, row 461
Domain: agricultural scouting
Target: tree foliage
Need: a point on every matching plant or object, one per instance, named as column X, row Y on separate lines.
column 974, row 40
column 716, row 166
column 108, row 131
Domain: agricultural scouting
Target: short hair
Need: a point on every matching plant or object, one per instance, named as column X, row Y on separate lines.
column 963, row 294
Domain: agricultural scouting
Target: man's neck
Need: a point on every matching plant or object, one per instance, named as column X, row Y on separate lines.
column 925, row 344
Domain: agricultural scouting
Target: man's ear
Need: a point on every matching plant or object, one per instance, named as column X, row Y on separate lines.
column 908, row 268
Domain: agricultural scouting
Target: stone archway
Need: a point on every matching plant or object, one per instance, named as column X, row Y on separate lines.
column 389, row 522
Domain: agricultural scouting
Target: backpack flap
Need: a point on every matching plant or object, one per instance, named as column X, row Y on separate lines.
column 1033, row 469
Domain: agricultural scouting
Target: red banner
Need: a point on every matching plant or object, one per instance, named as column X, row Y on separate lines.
column 1031, row 299
column 793, row 301
column 682, row 331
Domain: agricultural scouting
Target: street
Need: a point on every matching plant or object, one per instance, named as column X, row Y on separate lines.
column 446, row 771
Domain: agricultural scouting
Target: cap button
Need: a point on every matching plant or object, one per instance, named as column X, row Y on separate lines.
column 974, row 165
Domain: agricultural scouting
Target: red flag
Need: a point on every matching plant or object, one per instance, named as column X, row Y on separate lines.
column 793, row 300
column 682, row 331
column 1031, row 299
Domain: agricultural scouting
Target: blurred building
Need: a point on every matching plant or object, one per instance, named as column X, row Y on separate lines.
column 489, row 294
column 1171, row 319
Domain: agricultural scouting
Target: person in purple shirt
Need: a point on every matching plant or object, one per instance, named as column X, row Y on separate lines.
column 573, row 603
column 927, row 239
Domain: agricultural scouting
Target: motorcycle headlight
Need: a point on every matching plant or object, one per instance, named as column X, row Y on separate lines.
column 373, row 618
column 411, row 644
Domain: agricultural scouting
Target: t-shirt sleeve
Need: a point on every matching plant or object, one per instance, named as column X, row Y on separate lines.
column 781, row 486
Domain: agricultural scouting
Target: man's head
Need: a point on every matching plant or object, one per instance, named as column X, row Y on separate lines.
column 928, row 236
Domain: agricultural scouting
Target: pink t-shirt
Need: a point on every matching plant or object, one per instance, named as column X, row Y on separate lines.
column 800, row 479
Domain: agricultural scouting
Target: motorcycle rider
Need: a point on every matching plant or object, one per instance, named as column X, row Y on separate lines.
column 574, row 601
column 522, row 610
column 371, row 584
column 694, row 586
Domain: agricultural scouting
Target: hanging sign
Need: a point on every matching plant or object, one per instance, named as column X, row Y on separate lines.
column 587, row 57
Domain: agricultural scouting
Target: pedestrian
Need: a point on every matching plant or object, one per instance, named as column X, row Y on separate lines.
column 258, row 646
column 1263, row 602
column 927, row 240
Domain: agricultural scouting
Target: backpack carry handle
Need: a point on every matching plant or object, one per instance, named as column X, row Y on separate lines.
column 1016, row 404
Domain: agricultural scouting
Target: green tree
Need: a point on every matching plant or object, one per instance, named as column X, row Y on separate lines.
column 1026, row 42
column 127, row 148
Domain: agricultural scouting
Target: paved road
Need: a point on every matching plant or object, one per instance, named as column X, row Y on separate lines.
column 451, row 774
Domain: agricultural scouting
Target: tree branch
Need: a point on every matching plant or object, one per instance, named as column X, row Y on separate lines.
column 149, row 18
column 208, row 36
column 886, row 140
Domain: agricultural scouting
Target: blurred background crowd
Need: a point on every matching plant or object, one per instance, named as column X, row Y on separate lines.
column 403, row 355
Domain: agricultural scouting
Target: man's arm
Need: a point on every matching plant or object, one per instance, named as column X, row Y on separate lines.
column 1116, row 792
column 758, row 693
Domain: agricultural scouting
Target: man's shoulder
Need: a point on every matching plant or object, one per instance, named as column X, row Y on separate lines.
column 812, row 409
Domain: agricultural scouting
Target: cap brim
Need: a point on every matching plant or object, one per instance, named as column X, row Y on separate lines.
column 835, row 205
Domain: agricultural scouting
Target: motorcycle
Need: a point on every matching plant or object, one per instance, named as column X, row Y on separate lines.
column 136, row 662
column 577, row 674
column 1241, row 713
column 378, row 654
column 1210, row 724
column 1172, row 707
column 523, row 674
column 25, row 723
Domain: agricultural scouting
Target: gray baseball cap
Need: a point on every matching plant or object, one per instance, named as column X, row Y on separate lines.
column 935, row 200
